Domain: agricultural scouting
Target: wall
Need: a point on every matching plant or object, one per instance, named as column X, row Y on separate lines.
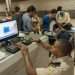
column 49, row 4
column 43, row 4
column 23, row 5
column 2, row 7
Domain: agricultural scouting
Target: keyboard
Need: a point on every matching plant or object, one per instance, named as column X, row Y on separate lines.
column 12, row 49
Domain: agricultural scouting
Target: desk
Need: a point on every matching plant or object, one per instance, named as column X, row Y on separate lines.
column 11, row 59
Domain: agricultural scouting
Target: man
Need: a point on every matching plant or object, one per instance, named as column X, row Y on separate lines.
column 63, row 25
column 18, row 17
column 47, row 19
column 63, row 18
column 60, row 62
column 27, row 18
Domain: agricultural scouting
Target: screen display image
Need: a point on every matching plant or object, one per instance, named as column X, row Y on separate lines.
column 8, row 29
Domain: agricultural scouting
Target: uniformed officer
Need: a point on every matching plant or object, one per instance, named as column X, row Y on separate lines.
column 60, row 63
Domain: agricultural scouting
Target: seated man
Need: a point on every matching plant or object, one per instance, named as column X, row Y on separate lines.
column 60, row 63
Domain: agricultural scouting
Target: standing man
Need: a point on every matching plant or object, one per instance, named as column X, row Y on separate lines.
column 62, row 15
column 47, row 19
column 27, row 18
column 18, row 17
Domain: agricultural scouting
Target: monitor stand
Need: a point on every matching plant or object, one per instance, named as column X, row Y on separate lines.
column 10, row 47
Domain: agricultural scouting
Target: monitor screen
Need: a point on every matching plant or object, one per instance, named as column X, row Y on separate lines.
column 8, row 29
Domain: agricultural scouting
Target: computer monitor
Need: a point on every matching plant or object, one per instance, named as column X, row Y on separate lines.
column 8, row 30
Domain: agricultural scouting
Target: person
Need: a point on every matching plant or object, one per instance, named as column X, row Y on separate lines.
column 27, row 18
column 60, row 62
column 63, row 25
column 36, row 23
column 18, row 17
column 47, row 19
column 63, row 19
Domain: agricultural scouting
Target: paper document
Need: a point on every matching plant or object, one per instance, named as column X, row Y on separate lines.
column 2, row 55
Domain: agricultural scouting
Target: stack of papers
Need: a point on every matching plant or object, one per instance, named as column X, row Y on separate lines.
column 2, row 55
column 73, row 28
column 21, row 35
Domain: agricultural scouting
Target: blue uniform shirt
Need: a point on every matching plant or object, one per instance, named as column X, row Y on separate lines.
column 46, row 22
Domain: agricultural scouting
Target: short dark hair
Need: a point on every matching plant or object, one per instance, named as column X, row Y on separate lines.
column 17, row 9
column 59, row 8
column 66, row 46
column 31, row 9
column 53, row 11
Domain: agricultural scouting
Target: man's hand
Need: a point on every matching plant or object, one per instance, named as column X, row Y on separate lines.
column 23, row 48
